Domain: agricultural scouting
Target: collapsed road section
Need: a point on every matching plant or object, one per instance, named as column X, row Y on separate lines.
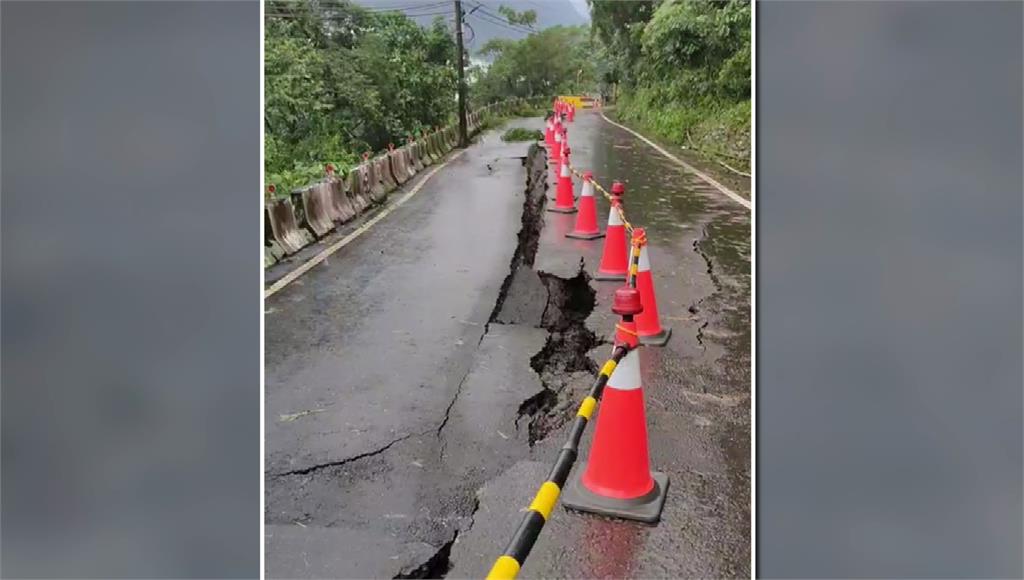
column 421, row 381
column 373, row 464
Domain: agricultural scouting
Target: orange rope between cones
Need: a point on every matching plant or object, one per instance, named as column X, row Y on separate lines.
column 608, row 196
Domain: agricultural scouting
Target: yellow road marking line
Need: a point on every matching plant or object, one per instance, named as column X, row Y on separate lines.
column 308, row 265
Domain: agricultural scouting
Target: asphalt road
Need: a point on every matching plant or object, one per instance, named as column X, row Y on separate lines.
column 404, row 433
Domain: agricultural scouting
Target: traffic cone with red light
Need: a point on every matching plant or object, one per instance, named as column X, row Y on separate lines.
column 564, row 200
column 586, row 220
column 617, row 480
column 648, row 324
column 614, row 259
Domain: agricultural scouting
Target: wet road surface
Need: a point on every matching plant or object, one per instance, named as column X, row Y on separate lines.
column 365, row 356
column 697, row 387
column 399, row 422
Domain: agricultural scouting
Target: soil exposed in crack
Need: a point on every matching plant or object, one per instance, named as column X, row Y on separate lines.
column 569, row 303
column 436, row 566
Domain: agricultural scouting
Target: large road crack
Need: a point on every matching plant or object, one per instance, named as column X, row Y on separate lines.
column 570, row 301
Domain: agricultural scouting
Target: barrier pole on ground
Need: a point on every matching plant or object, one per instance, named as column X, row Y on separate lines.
column 507, row 566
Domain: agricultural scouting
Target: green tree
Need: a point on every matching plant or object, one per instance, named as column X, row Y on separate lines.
column 682, row 69
column 341, row 80
column 555, row 60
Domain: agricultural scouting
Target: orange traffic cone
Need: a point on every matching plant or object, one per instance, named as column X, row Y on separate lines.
column 556, row 148
column 614, row 260
column 586, row 220
column 572, row 113
column 549, row 132
column 648, row 324
column 564, row 200
column 617, row 479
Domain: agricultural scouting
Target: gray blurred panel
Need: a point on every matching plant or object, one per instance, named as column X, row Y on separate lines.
column 131, row 289
column 889, row 379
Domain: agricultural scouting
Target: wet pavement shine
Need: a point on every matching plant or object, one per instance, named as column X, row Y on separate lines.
column 697, row 387
column 406, row 379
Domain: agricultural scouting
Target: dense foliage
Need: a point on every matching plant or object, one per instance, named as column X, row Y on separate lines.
column 340, row 80
column 682, row 68
column 556, row 60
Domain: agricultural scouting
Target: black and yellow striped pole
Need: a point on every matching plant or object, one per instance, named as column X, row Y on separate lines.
column 507, row 565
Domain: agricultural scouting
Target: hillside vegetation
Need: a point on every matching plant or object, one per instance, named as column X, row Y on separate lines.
column 681, row 70
column 340, row 80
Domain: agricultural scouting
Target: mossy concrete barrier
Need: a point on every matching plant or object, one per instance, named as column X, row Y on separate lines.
column 315, row 210
column 342, row 210
column 407, row 156
column 358, row 181
column 414, row 155
column 398, row 166
column 428, row 152
column 316, row 203
column 387, row 176
column 284, row 228
column 377, row 189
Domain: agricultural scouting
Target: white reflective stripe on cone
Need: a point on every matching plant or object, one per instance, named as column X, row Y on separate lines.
column 588, row 189
column 626, row 376
column 565, row 167
column 645, row 262
column 558, row 136
column 613, row 217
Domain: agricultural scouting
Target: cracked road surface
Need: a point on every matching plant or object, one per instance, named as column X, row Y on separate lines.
column 366, row 356
column 419, row 382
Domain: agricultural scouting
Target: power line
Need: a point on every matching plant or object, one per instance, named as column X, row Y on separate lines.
column 339, row 17
column 332, row 4
column 407, row 8
column 500, row 20
column 487, row 10
column 490, row 19
column 344, row 4
column 498, row 23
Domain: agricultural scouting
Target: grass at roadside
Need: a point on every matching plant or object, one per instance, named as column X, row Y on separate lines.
column 718, row 131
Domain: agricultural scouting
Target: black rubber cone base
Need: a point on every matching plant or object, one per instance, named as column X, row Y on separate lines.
column 646, row 508
column 659, row 339
column 584, row 236
column 562, row 209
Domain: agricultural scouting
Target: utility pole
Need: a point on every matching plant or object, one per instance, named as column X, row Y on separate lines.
column 463, row 140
